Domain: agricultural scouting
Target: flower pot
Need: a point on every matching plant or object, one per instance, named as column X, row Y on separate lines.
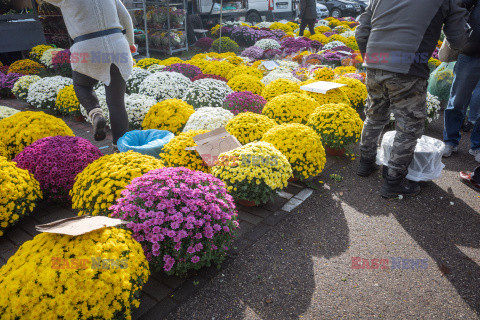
column 335, row 152
column 79, row 118
column 246, row 203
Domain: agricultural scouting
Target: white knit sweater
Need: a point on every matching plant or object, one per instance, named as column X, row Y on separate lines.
column 93, row 57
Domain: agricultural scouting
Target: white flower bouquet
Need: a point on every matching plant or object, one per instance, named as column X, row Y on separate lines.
column 333, row 44
column 20, row 88
column 43, row 93
column 137, row 106
column 47, row 56
column 207, row 93
column 165, row 85
column 208, row 118
column 279, row 73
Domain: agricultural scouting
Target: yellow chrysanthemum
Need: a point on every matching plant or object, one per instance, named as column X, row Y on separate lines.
column 244, row 70
column 323, row 74
column 98, row 186
column 278, row 87
column 174, row 153
column 248, row 126
column 19, row 194
column 24, row 128
column 290, row 108
column 26, row 67
column 245, row 82
column 67, row 101
column 301, row 145
column 355, row 90
column 339, row 125
column 97, row 275
column 170, row 114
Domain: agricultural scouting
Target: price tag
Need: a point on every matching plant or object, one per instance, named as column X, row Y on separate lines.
column 270, row 65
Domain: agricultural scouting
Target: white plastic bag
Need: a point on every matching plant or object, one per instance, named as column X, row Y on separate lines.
column 427, row 163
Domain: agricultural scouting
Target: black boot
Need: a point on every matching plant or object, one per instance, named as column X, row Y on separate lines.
column 395, row 186
column 366, row 167
column 98, row 122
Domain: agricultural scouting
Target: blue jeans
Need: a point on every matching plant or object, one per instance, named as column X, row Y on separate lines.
column 467, row 76
column 474, row 110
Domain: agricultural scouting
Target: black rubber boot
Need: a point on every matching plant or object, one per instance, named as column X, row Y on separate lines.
column 98, row 122
column 366, row 167
column 398, row 186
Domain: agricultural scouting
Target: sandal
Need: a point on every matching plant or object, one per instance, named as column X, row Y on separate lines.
column 466, row 178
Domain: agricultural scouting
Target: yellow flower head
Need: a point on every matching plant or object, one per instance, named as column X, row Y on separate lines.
column 355, row 90
column 339, row 125
column 319, row 37
column 322, row 29
column 290, row 108
column 26, row 67
column 24, row 128
column 254, row 172
column 244, row 70
column 323, row 74
column 98, row 186
column 71, row 279
column 67, row 102
column 19, row 193
column 279, row 87
column 174, row 153
column 147, row 62
column 37, row 52
column 170, row 114
column 301, row 145
column 245, row 82
column 219, row 68
column 248, row 126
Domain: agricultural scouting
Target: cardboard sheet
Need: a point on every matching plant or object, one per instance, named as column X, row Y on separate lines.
column 79, row 225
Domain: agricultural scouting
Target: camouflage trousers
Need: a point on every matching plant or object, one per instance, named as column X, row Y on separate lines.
column 404, row 96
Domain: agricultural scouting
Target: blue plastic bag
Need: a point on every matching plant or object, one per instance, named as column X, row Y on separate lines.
column 149, row 142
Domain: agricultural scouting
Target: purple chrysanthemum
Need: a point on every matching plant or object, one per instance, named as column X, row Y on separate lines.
column 244, row 101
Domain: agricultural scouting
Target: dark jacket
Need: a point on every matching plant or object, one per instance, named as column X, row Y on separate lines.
column 472, row 48
column 400, row 36
column 308, row 9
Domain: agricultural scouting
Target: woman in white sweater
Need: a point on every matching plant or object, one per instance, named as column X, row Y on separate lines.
column 101, row 52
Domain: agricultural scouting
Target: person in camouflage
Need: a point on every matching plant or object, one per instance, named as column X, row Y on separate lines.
column 396, row 38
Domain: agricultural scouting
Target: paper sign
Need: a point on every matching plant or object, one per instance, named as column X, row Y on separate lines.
column 211, row 144
column 321, row 86
column 79, row 225
column 270, row 65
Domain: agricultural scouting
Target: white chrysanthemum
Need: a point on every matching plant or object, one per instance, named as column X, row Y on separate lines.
column 348, row 34
column 208, row 118
column 43, row 93
column 47, row 56
column 263, row 24
column 6, row 112
column 21, row 86
column 279, row 73
column 267, row 44
column 333, row 44
column 165, row 85
column 207, row 93
column 288, row 64
column 137, row 106
column 322, row 23
column 433, row 107
column 135, row 79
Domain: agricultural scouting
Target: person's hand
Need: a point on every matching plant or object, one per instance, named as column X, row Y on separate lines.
column 133, row 49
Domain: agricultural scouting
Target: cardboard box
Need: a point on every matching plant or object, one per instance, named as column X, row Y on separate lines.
column 211, row 144
column 79, row 225
column 321, row 86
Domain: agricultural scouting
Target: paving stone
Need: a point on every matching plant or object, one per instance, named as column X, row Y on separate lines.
column 256, row 233
column 245, row 216
column 258, row 211
column 146, row 303
column 276, row 217
column 5, row 244
column 17, row 235
column 27, row 224
column 304, row 194
column 292, row 204
column 210, row 272
column 2, row 262
column 54, row 216
column 285, row 195
column 188, row 288
column 239, row 245
column 160, row 310
column 170, row 281
column 156, row 289
column 293, row 189
column 275, row 204
column 244, row 228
